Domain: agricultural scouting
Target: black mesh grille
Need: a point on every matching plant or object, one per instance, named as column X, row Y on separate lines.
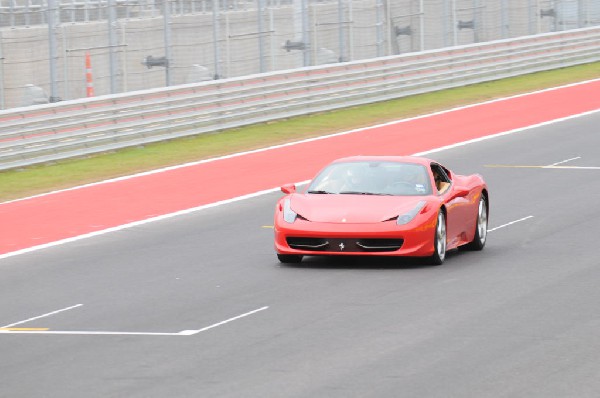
column 354, row 245
column 380, row 245
column 317, row 244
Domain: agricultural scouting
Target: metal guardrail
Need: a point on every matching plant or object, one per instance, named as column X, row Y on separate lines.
column 68, row 129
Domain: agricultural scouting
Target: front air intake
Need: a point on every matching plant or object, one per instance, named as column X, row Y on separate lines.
column 352, row 245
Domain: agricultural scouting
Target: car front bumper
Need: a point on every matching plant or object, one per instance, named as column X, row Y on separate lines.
column 377, row 239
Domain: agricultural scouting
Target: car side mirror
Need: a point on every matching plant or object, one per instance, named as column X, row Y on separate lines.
column 288, row 188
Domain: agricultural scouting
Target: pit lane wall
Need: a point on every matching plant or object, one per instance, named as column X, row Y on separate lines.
column 49, row 132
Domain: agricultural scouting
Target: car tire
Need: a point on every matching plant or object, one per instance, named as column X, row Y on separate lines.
column 439, row 241
column 289, row 258
column 478, row 242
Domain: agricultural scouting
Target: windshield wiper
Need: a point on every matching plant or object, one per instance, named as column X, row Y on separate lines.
column 320, row 192
column 361, row 193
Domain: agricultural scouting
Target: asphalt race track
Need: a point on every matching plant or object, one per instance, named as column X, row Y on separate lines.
column 198, row 306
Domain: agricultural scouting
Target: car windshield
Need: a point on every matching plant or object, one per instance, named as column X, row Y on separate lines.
column 372, row 178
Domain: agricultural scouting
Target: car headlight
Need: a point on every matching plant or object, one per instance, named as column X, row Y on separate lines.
column 289, row 215
column 405, row 218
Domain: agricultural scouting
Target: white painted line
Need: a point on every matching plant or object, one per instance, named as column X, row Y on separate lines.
column 84, row 332
column 332, row 135
column 510, row 223
column 513, row 166
column 509, row 132
column 41, row 316
column 192, row 332
column 573, row 167
column 564, row 161
column 6, row 329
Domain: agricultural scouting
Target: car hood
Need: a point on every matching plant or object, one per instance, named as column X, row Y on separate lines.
column 357, row 209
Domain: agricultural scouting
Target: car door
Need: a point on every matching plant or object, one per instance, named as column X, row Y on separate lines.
column 457, row 203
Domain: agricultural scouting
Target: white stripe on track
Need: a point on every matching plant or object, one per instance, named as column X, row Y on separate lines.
column 7, row 330
column 565, row 161
column 41, row 316
column 510, row 223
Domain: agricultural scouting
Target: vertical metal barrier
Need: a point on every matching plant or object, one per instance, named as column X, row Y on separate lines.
column 51, row 12
column 112, row 44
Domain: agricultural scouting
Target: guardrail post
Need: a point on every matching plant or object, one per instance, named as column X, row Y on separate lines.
column 379, row 27
column 476, row 20
column 454, row 24
column 260, row 5
column 534, row 23
column 167, row 36
column 50, row 16
column 216, row 52
column 341, row 46
column 504, row 19
column 112, row 43
column 421, row 25
column 1, row 74
column 305, row 33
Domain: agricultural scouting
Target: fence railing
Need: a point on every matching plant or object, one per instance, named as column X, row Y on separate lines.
column 68, row 129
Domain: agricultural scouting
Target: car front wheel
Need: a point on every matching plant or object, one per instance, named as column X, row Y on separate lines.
column 481, row 227
column 439, row 242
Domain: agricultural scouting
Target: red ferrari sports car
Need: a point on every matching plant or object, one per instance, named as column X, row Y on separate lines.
column 383, row 206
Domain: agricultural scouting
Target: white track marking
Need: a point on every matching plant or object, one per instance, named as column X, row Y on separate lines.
column 564, row 161
column 107, row 333
column 509, row 132
column 514, row 166
column 510, row 223
column 192, row 332
column 573, row 167
column 41, row 316
column 326, row 137
column 84, row 332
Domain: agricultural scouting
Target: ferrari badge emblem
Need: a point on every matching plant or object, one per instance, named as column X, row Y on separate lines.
column 342, row 246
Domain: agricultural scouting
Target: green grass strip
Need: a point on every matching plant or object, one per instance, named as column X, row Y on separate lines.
column 38, row 179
